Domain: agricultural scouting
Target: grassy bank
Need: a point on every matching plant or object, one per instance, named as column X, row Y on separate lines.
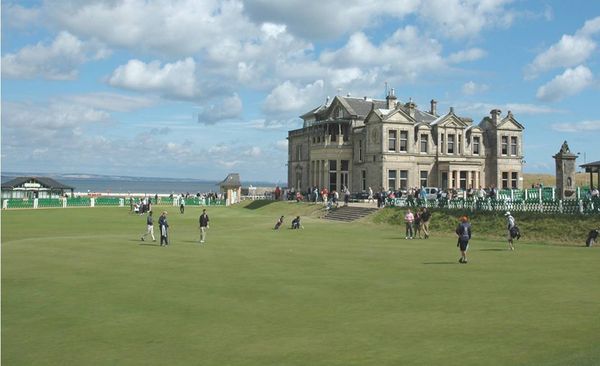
column 535, row 228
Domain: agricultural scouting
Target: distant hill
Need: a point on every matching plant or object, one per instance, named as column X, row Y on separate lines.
column 549, row 180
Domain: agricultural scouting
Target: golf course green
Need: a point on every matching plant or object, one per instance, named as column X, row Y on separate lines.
column 79, row 287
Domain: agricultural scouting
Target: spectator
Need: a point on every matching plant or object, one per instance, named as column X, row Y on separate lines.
column 463, row 230
column 409, row 218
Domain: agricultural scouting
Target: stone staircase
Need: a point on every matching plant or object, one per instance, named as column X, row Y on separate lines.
column 349, row 213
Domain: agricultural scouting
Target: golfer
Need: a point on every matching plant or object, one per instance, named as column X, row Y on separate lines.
column 463, row 230
column 149, row 227
column 164, row 229
column 203, row 220
column 510, row 223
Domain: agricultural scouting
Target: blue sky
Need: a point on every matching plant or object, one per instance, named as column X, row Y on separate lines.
column 198, row 89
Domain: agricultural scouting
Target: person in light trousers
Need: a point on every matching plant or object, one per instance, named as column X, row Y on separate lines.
column 203, row 220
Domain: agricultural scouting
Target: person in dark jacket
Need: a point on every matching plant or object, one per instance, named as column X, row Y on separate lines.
column 203, row 220
column 164, row 229
column 463, row 230
column 296, row 223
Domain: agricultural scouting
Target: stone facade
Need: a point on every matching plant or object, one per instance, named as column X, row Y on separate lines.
column 362, row 142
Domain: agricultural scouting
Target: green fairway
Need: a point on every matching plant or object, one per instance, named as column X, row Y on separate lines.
column 80, row 288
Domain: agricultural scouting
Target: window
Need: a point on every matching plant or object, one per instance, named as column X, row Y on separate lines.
column 298, row 152
column 442, row 143
column 344, row 165
column 451, row 144
column 423, row 178
column 363, row 179
column 424, row 143
column 476, row 143
column 513, row 145
column 340, row 113
column 392, row 180
column 459, row 143
column 404, row 179
column 463, row 180
column 360, row 150
column 504, row 180
column 392, row 135
column 333, row 165
column 504, row 145
column 514, row 181
column 403, row 140
column 332, row 175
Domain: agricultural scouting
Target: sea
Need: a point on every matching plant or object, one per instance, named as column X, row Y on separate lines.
column 116, row 184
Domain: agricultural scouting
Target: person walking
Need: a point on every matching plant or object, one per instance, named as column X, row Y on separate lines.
column 164, row 229
column 510, row 224
column 409, row 218
column 463, row 230
column 425, row 217
column 181, row 205
column 203, row 221
column 149, row 227
column 370, row 197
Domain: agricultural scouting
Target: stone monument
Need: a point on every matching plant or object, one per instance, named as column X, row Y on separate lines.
column 565, row 172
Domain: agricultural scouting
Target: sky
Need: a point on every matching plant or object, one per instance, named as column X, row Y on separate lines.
column 199, row 89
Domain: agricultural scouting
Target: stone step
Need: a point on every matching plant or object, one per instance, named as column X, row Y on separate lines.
column 349, row 213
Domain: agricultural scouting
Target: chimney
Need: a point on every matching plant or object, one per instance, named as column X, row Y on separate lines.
column 451, row 110
column 391, row 99
column 433, row 109
column 495, row 113
column 411, row 106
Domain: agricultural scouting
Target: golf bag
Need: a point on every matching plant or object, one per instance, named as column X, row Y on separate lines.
column 515, row 232
column 592, row 237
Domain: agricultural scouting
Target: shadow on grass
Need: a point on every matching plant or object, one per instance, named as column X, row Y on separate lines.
column 440, row 263
column 258, row 204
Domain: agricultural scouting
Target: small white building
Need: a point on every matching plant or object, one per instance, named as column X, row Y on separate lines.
column 232, row 188
column 34, row 187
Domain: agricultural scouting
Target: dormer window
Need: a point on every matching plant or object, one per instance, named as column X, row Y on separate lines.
column 340, row 112
column 476, row 144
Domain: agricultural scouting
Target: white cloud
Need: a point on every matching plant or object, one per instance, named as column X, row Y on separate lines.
column 112, row 101
column 590, row 27
column 176, row 79
column 52, row 117
column 57, row 61
column 288, row 97
column 466, row 18
column 584, row 126
column 282, row 145
column 228, row 108
column 571, row 82
column 471, row 88
column 569, row 51
column 327, row 19
column 253, row 152
column 19, row 17
column 176, row 28
column 472, row 54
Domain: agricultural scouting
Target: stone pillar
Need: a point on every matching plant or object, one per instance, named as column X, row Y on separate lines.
column 469, row 179
column 565, row 172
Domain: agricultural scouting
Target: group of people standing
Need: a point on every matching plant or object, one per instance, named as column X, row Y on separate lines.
column 163, row 225
column 417, row 223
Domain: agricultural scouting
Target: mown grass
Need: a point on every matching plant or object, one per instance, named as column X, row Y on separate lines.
column 80, row 288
